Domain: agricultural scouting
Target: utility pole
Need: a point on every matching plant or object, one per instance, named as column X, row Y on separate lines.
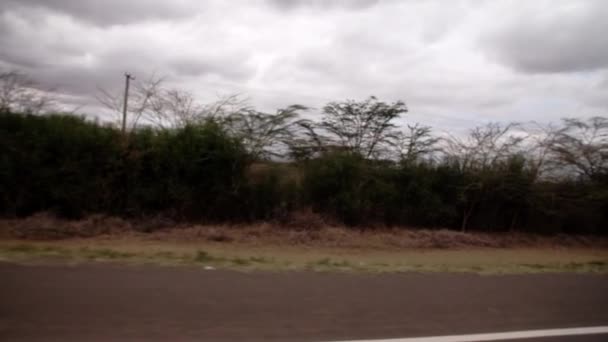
column 128, row 78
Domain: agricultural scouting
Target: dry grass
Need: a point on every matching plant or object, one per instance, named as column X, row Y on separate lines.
column 304, row 242
column 289, row 258
column 44, row 226
column 299, row 229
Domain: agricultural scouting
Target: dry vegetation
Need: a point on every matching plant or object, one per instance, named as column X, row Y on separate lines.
column 300, row 229
column 307, row 243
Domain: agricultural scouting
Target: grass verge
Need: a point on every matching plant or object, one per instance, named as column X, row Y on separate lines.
column 273, row 258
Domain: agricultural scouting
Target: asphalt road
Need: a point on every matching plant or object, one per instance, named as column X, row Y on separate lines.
column 122, row 303
column 585, row 338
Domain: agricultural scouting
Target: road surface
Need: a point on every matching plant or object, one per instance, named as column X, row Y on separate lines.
column 101, row 302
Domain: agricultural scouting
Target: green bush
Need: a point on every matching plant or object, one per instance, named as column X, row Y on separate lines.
column 74, row 167
column 196, row 172
column 334, row 184
column 59, row 163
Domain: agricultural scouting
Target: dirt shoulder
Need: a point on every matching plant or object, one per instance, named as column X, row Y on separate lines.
column 44, row 239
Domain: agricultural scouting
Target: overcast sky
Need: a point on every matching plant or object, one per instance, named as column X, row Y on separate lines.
column 455, row 63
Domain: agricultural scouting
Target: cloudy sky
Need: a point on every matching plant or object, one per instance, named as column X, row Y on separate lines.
column 455, row 63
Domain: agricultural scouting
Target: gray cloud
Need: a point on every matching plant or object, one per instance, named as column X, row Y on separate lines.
column 77, row 56
column 108, row 12
column 603, row 83
column 234, row 67
column 559, row 36
column 288, row 5
column 427, row 53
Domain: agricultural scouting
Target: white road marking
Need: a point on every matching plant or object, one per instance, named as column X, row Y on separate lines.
column 511, row 335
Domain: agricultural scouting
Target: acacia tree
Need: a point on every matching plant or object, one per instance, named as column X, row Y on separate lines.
column 484, row 157
column 173, row 108
column 483, row 146
column 306, row 142
column 582, row 147
column 20, row 94
column 365, row 127
column 415, row 143
column 538, row 149
column 265, row 135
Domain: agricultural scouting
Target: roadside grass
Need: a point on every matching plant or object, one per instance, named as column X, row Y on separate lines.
column 289, row 258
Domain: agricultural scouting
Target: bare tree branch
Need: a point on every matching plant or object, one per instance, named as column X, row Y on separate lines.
column 265, row 135
column 19, row 93
column 484, row 146
column 415, row 143
column 582, row 146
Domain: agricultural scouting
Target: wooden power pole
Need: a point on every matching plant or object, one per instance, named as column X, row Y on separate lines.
column 128, row 78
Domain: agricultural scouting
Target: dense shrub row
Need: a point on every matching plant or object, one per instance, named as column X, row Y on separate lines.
column 73, row 167
column 503, row 198
column 201, row 172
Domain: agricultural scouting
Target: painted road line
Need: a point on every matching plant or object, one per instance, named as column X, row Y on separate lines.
column 510, row 335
